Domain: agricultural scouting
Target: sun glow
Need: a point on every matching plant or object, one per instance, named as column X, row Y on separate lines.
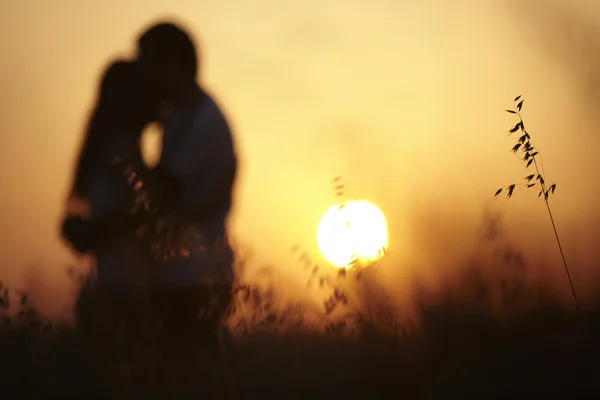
column 352, row 234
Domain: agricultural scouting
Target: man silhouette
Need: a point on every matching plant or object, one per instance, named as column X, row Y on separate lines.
column 197, row 153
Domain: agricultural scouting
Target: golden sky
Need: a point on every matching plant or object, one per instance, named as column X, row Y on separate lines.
column 404, row 99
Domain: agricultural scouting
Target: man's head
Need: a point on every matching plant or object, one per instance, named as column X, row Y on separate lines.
column 169, row 61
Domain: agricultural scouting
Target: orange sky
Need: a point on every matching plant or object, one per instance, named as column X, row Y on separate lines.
column 404, row 99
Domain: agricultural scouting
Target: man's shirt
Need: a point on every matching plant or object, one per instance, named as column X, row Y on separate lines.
column 198, row 152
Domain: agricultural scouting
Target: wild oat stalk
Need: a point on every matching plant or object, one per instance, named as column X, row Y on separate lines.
column 530, row 155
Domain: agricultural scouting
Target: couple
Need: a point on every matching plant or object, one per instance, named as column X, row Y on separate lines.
column 158, row 235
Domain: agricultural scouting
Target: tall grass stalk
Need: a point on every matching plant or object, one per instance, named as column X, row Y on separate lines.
column 530, row 155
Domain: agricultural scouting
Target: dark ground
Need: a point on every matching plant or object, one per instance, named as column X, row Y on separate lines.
column 545, row 352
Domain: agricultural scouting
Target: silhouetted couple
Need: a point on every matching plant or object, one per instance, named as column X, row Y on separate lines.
column 158, row 235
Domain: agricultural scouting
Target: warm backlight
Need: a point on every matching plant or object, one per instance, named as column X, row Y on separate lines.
column 353, row 234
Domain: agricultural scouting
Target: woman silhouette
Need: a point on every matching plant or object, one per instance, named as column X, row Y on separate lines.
column 113, row 131
column 116, row 301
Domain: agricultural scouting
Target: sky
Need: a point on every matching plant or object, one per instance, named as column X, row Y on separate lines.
column 403, row 99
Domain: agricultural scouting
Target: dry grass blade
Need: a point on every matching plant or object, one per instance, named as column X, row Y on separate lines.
column 529, row 155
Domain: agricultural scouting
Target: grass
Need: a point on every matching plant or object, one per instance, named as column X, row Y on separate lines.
column 530, row 155
column 459, row 348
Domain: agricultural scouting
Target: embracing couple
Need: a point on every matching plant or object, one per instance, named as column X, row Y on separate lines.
column 158, row 235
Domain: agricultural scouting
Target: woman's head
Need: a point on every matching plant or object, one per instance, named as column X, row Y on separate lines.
column 121, row 101
column 121, row 109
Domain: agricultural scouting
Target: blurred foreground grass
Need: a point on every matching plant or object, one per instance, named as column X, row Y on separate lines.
column 458, row 351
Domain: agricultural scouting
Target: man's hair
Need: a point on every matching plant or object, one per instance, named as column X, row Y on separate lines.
column 169, row 42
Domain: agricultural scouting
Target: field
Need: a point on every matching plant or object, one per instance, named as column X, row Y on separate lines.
column 458, row 349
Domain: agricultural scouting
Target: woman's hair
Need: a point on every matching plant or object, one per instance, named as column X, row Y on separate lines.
column 119, row 107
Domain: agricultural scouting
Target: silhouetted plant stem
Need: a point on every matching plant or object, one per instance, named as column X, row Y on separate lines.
column 530, row 152
column 563, row 256
column 562, row 253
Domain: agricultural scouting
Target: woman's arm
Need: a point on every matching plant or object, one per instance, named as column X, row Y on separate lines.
column 117, row 211
column 87, row 236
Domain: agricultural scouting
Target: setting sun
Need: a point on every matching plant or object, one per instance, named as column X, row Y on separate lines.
column 352, row 233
